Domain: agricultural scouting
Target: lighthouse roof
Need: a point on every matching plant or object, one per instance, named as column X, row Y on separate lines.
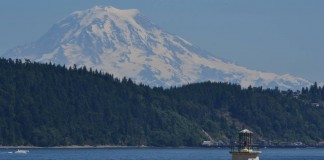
column 245, row 131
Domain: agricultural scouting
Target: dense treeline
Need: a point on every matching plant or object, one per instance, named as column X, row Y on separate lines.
column 50, row 105
column 272, row 114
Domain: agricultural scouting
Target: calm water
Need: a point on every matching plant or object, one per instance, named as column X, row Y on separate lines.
column 156, row 154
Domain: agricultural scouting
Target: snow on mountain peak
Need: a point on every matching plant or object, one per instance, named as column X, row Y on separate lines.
column 103, row 13
column 125, row 43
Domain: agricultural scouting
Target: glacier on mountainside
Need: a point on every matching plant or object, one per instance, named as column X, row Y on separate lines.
column 127, row 44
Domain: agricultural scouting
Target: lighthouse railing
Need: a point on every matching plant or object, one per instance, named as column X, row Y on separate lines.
column 237, row 148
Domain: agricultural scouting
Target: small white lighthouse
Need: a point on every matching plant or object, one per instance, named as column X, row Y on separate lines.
column 243, row 150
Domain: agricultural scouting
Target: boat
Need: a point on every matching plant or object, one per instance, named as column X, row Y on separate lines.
column 22, row 151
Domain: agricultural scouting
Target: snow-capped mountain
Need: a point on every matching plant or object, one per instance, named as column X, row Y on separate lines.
column 125, row 43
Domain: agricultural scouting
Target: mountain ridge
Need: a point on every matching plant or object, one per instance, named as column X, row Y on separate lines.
column 126, row 44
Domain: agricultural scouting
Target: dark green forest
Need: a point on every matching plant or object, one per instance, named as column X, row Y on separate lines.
column 53, row 105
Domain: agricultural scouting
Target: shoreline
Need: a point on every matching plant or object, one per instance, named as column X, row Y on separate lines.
column 116, row 146
column 69, row 147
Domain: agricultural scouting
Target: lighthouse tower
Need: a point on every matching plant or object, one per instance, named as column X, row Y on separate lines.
column 243, row 150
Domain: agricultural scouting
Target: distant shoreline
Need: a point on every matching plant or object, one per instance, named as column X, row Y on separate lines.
column 113, row 146
column 70, row 147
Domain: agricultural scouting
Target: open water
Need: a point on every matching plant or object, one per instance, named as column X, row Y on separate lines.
column 157, row 154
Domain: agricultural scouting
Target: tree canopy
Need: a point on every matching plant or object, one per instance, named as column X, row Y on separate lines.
column 51, row 105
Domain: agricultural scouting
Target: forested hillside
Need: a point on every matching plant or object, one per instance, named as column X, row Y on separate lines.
column 51, row 105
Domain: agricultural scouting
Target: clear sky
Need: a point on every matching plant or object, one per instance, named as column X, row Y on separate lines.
column 280, row 36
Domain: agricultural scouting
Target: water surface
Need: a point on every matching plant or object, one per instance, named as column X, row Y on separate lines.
column 157, row 154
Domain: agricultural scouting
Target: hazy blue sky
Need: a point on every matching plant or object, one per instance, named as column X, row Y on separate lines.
column 281, row 36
